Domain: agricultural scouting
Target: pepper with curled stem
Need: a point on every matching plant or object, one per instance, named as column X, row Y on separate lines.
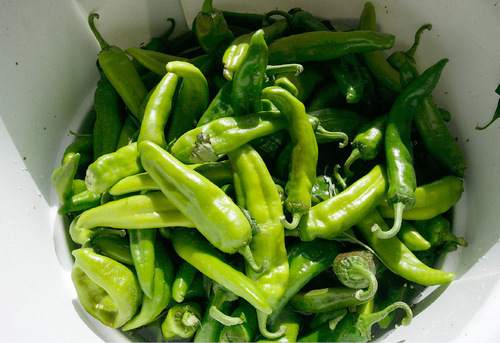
column 357, row 269
column 182, row 321
column 355, row 327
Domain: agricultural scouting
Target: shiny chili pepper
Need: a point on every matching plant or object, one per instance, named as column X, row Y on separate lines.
column 114, row 246
column 217, row 172
column 216, row 216
column 256, row 192
column 399, row 158
column 245, row 331
column 192, row 100
column 330, row 218
column 326, row 45
column 142, row 246
column 107, row 289
column 249, row 77
column 357, row 269
column 326, row 299
column 158, row 110
column 108, row 169
column 182, row 321
column 144, row 211
column 397, row 257
column 211, row 30
column 162, row 289
column 410, row 237
column 62, row 178
column 437, row 231
column 428, row 119
column 306, row 260
column 153, row 60
column 120, row 72
column 304, row 156
column 80, row 201
column 432, row 199
column 237, row 50
column 184, row 278
column 109, row 121
column 193, row 248
column 354, row 327
column 368, row 142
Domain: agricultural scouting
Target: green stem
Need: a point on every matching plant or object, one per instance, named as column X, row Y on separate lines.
column 366, row 321
column 398, row 219
column 355, row 155
column 223, row 318
column 262, row 320
column 411, row 52
column 295, row 221
column 104, row 45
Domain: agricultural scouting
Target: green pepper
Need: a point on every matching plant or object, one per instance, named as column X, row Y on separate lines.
column 248, row 78
column 432, row 199
column 354, row 327
column 357, row 269
column 221, row 106
column 245, row 331
column 348, row 207
column 306, row 260
column 114, row 246
column 289, row 319
column 304, row 156
column 109, row 122
column 399, row 158
column 326, row 45
column 192, row 100
column 107, row 290
column 212, row 212
column 193, row 248
column 80, row 202
column 62, row 178
column 142, row 246
column 368, row 142
column 256, row 192
column 153, row 60
column 111, row 168
column 83, row 146
column 326, row 299
column 237, row 50
column 120, row 72
column 144, row 211
column 437, row 231
column 184, row 278
column 211, row 30
column 397, row 257
column 182, row 321
column 412, row 238
column 162, row 289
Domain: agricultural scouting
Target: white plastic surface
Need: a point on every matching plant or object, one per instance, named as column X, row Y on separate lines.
column 48, row 74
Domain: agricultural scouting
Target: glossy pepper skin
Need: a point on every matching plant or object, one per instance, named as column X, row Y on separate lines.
column 142, row 246
column 184, row 279
column 212, row 212
column 62, row 178
column 108, row 169
column 304, row 156
column 121, row 72
column 398, row 151
column 256, row 191
column 326, row 45
column 211, row 30
column 306, row 260
column 249, row 77
column 158, row 110
column 107, row 289
column 325, row 299
column 162, row 289
column 432, row 199
column 192, row 100
column 109, row 121
column 193, row 248
column 397, row 257
column 330, row 218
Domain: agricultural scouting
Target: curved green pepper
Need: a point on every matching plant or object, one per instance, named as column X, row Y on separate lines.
column 106, row 289
column 142, row 246
column 326, row 299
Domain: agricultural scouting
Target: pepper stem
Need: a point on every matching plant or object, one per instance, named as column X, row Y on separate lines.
column 339, row 315
column 223, row 318
column 262, row 321
column 355, row 155
column 295, row 68
column 411, row 52
column 207, row 6
column 398, row 219
column 370, row 278
column 295, row 221
column 104, row 45
column 338, row 177
column 366, row 321
column 190, row 319
column 247, row 254
column 324, row 135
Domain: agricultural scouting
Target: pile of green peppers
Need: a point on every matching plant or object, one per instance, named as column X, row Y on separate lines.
column 260, row 178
